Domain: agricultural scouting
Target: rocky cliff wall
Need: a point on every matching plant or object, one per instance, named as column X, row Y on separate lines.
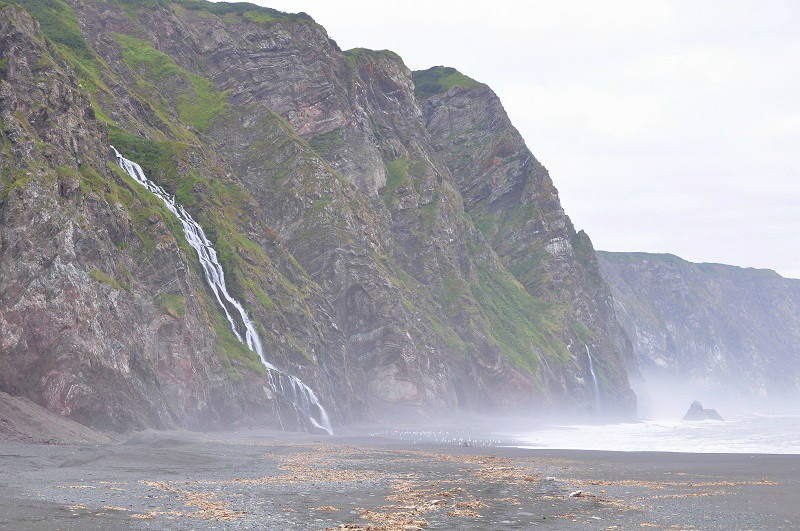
column 105, row 315
column 511, row 199
column 343, row 220
column 725, row 332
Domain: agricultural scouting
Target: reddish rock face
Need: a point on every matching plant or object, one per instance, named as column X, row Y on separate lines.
column 87, row 263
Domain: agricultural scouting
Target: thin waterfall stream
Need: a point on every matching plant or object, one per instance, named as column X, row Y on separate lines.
column 595, row 385
column 302, row 398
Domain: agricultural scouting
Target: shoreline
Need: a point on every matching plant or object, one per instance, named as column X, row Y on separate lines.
column 251, row 479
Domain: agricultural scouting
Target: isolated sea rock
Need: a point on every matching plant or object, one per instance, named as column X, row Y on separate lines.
column 697, row 412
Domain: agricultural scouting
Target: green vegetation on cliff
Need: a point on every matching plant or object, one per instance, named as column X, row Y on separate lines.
column 523, row 326
column 396, row 176
column 354, row 55
column 402, row 172
column 103, row 278
column 13, row 178
column 172, row 303
column 253, row 12
column 585, row 335
column 438, row 80
column 58, row 23
column 326, row 142
column 198, row 101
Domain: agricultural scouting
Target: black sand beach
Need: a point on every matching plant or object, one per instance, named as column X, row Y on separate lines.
column 258, row 480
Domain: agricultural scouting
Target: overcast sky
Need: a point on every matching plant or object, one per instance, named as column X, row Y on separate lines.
column 666, row 126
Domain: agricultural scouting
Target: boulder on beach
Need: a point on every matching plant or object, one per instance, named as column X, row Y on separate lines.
column 697, row 412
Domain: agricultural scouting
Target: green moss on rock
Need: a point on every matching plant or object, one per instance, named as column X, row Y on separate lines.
column 584, row 333
column 104, row 278
column 326, row 142
column 355, row 54
column 397, row 173
column 58, row 23
column 438, row 80
column 172, row 303
column 253, row 12
column 198, row 102
column 520, row 323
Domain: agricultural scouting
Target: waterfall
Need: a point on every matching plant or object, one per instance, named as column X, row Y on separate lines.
column 302, row 398
column 546, row 364
column 595, row 387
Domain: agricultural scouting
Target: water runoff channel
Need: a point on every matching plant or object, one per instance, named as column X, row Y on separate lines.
column 290, row 388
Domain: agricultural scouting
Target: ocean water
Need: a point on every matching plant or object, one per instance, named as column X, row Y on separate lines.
column 763, row 434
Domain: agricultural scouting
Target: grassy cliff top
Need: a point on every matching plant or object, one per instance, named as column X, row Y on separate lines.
column 354, row 55
column 252, row 11
column 667, row 258
column 438, row 80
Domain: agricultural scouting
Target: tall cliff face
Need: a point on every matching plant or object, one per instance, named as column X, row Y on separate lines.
column 511, row 199
column 105, row 314
column 83, row 332
column 343, row 221
column 711, row 329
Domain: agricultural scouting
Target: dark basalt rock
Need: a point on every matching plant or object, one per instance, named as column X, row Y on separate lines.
column 697, row 412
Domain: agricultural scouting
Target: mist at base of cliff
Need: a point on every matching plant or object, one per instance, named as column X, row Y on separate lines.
column 754, row 422
column 665, row 397
column 751, row 425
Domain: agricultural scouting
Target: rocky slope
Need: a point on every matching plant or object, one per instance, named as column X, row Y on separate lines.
column 343, row 217
column 709, row 329
column 22, row 420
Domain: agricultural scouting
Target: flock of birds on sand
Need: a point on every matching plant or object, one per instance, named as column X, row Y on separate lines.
column 440, row 437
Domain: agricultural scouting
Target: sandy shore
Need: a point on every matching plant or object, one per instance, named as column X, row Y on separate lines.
column 250, row 480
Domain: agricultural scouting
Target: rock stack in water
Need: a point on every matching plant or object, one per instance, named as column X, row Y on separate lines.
column 697, row 412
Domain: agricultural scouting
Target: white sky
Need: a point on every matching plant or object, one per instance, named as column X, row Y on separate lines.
column 667, row 126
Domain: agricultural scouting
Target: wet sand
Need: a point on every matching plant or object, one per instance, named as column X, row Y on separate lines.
column 262, row 480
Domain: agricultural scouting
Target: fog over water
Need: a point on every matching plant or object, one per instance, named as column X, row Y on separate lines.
column 768, row 434
column 753, row 424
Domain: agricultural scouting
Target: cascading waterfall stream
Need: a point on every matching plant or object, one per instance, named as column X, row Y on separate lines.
column 290, row 387
column 595, row 385
column 546, row 364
